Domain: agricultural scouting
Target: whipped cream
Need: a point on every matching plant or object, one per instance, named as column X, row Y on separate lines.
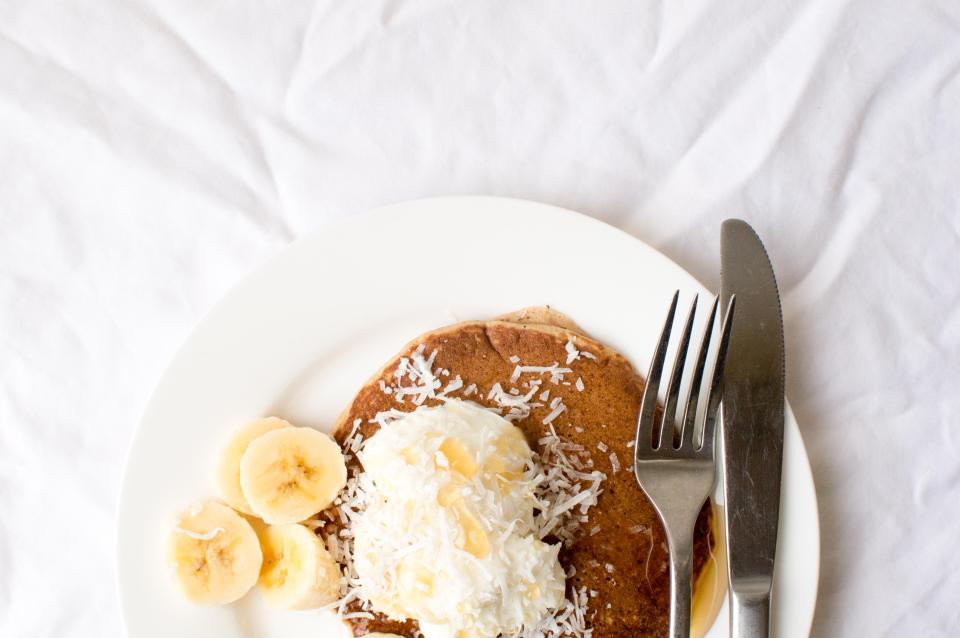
column 448, row 536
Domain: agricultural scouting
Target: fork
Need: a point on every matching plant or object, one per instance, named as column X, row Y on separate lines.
column 674, row 465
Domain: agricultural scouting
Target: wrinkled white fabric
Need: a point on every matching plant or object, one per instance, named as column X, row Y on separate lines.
column 153, row 153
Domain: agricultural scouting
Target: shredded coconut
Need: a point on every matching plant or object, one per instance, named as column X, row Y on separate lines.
column 518, row 406
column 554, row 370
column 572, row 353
column 419, row 371
column 386, row 417
column 352, row 442
column 570, row 620
column 452, row 386
column 557, row 411
column 566, row 486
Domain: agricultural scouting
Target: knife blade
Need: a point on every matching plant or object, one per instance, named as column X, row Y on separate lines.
column 753, row 421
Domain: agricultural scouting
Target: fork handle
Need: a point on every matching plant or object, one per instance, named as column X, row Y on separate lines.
column 749, row 614
column 681, row 566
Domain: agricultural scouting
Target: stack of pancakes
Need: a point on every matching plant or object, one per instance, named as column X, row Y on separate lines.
column 620, row 553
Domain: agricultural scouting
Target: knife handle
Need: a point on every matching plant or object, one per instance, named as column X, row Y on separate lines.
column 750, row 614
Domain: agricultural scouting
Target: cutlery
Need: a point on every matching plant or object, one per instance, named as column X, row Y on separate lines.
column 752, row 431
column 673, row 459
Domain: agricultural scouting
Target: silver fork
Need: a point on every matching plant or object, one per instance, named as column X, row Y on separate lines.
column 676, row 468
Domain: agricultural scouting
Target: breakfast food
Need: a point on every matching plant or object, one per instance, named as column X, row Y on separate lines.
column 228, row 469
column 478, row 485
column 290, row 474
column 297, row 572
column 575, row 402
column 214, row 553
column 449, row 535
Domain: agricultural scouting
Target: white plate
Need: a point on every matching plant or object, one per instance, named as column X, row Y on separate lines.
column 300, row 335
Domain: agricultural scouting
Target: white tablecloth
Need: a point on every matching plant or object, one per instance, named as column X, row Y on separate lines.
column 153, row 153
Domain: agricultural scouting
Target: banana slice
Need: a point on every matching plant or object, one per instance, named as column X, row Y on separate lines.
column 215, row 554
column 227, row 475
column 289, row 475
column 297, row 572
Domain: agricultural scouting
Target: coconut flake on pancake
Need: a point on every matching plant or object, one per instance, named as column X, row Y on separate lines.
column 448, row 535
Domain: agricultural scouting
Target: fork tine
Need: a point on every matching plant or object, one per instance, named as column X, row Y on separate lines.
column 688, row 425
column 648, row 404
column 671, row 407
column 716, row 382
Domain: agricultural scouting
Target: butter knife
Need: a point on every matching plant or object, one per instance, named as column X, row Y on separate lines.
column 753, row 418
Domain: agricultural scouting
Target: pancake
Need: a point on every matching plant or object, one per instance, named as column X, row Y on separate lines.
column 620, row 552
